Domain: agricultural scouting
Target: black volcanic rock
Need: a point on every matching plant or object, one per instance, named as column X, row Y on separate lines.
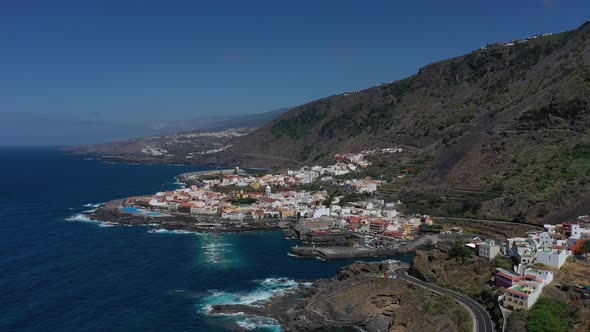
column 358, row 298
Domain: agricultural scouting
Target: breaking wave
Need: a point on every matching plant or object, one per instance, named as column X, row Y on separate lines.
column 166, row 231
column 178, row 183
column 93, row 205
column 255, row 322
column 82, row 217
column 79, row 217
column 265, row 290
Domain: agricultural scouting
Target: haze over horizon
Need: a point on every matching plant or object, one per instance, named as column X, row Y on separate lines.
column 81, row 73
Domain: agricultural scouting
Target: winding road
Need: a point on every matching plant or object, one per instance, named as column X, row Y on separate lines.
column 482, row 321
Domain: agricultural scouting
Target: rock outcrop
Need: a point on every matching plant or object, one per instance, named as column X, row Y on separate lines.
column 359, row 296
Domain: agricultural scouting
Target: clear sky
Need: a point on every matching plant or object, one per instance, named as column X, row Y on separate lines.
column 77, row 72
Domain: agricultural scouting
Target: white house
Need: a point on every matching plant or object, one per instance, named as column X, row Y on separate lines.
column 488, row 249
column 522, row 295
column 522, row 249
column 552, row 256
column 321, row 211
column 237, row 216
column 543, row 275
column 551, row 239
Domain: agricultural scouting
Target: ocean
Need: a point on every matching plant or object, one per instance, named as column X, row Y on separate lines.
column 60, row 272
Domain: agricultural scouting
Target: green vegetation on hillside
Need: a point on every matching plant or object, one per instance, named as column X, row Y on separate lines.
column 576, row 163
column 571, row 167
column 549, row 315
column 296, row 127
column 460, row 252
column 449, row 265
column 244, row 201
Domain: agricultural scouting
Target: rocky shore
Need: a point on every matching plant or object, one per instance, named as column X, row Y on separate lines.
column 361, row 295
column 111, row 212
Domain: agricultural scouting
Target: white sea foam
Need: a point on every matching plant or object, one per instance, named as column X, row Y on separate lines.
column 106, row 224
column 93, row 205
column 265, row 290
column 178, row 183
column 278, row 283
column 246, row 324
column 79, row 217
column 255, row 322
column 261, row 294
column 167, row 231
column 82, row 217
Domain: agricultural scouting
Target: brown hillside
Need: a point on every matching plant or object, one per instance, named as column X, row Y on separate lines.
column 510, row 119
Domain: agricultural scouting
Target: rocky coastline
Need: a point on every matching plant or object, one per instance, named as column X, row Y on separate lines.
column 364, row 295
column 111, row 212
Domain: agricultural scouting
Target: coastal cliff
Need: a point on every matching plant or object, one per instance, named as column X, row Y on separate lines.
column 361, row 295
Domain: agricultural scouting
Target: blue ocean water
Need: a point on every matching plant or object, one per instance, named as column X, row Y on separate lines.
column 59, row 274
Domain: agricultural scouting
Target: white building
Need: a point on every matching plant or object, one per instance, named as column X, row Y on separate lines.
column 552, row 256
column 522, row 249
column 522, row 295
column 578, row 232
column 237, row 216
column 551, row 239
column 488, row 249
column 321, row 211
column 543, row 275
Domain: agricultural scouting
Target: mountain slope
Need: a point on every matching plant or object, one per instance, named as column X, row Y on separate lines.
column 510, row 121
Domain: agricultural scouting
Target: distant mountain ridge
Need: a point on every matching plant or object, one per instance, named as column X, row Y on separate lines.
column 511, row 120
column 211, row 135
column 249, row 120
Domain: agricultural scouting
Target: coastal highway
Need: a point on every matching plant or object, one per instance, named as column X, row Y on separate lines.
column 483, row 322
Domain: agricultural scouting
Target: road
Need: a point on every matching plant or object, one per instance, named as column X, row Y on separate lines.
column 489, row 221
column 483, row 322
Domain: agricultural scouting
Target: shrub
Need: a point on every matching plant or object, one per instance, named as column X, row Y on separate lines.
column 551, row 315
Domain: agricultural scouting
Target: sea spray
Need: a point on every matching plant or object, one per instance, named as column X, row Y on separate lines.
column 84, row 217
column 265, row 290
column 93, row 205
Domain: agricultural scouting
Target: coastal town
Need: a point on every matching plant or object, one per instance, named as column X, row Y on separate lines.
column 333, row 213
column 237, row 197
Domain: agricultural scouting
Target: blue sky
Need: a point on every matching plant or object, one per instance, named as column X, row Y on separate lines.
column 78, row 72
